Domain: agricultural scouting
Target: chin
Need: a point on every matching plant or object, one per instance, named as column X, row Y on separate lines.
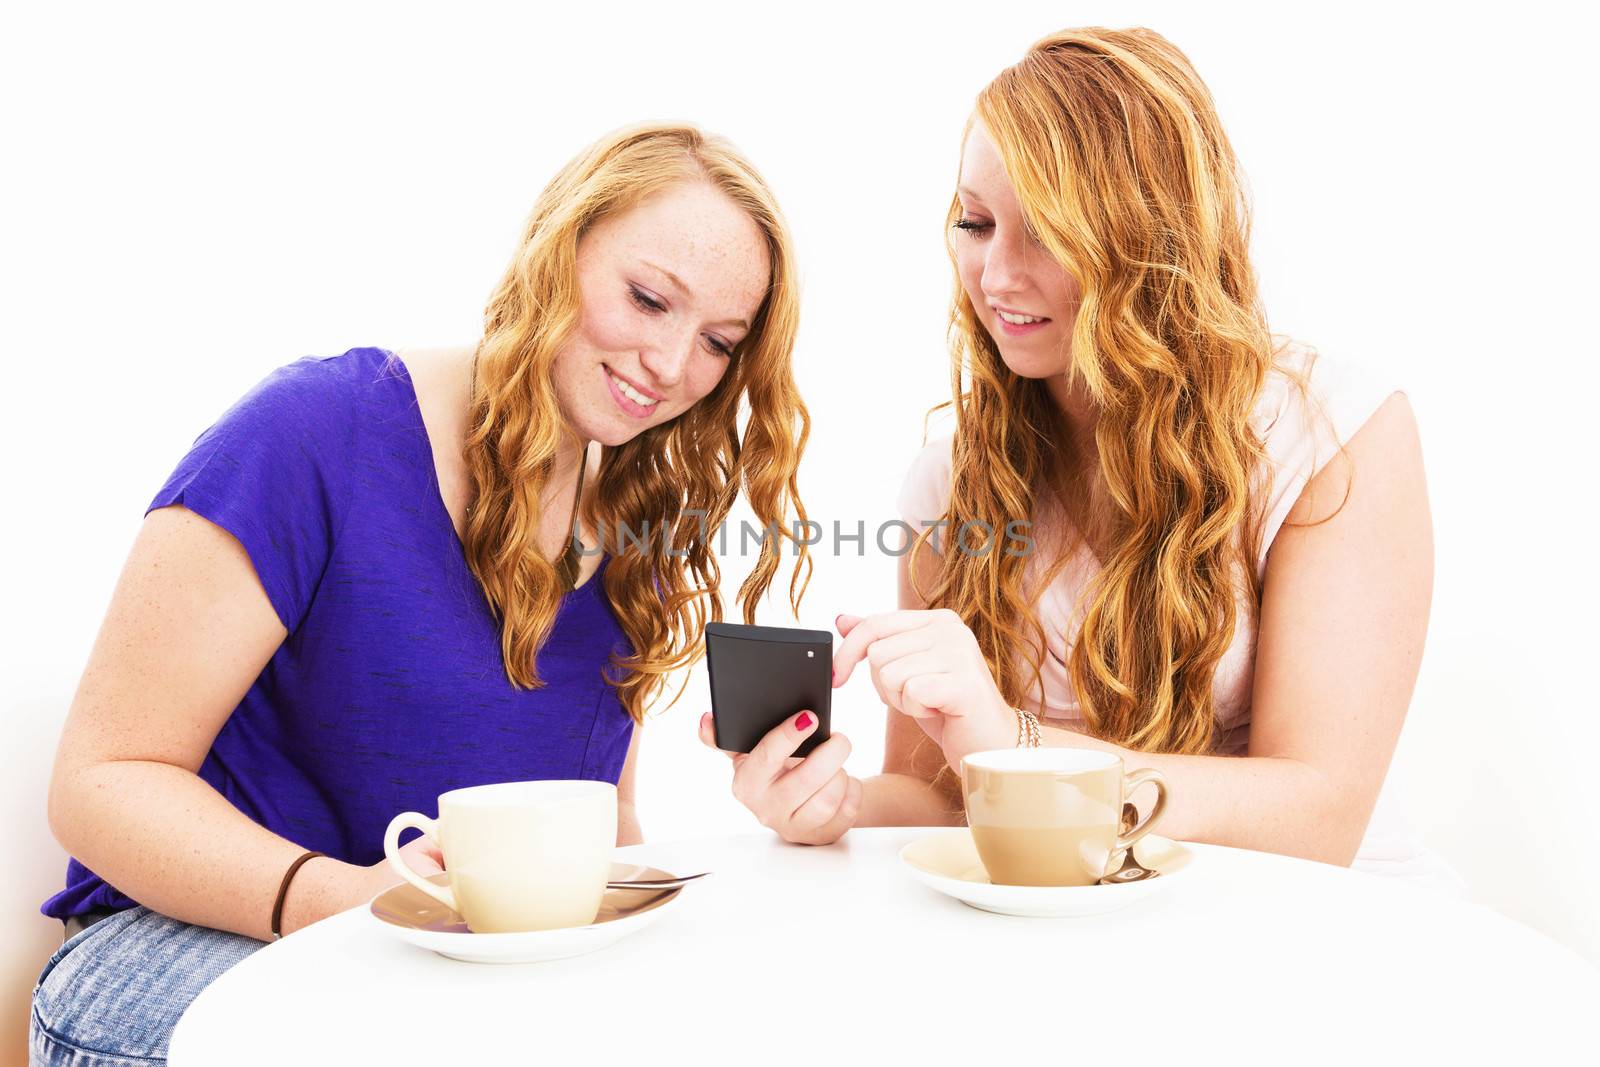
column 600, row 422
column 613, row 430
column 1042, row 365
column 609, row 433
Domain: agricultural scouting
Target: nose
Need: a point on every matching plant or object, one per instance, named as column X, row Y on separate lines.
column 667, row 362
column 1004, row 265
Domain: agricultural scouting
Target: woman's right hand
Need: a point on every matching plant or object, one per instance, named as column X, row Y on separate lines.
column 809, row 801
column 420, row 854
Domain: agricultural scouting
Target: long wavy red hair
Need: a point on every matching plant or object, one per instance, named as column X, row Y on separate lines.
column 698, row 462
column 1123, row 171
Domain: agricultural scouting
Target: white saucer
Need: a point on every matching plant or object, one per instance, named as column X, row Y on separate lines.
column 419, row 919
column 948, row 861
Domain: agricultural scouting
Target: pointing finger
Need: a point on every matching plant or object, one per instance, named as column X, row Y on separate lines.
column 854, row 647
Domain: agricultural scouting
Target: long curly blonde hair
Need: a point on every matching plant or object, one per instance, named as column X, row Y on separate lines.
column 696, row 463
column 1124, row 173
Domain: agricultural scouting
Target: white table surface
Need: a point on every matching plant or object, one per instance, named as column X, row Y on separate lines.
column 790, row 954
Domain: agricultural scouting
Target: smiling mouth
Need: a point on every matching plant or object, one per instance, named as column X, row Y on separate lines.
column 631, row 392
column 1016, row 319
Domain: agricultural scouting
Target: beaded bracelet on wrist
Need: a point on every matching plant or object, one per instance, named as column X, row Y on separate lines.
column 1027, row 729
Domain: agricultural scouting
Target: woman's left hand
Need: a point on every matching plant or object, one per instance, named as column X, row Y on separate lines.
column 927, row 664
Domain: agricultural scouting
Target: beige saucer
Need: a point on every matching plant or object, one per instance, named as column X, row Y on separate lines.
column 948, row 861
column 419, row 919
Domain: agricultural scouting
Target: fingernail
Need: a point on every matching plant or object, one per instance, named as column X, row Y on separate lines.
column 803, row 723
column 837, row 617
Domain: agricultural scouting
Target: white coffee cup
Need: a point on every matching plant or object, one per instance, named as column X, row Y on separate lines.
column 519, row 855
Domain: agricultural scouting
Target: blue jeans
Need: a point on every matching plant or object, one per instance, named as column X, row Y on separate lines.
column 111, row 995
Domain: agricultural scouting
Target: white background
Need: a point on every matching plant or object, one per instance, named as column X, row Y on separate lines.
column 197, row 195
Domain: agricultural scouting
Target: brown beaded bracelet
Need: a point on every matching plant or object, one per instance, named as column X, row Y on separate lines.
column 283, row 892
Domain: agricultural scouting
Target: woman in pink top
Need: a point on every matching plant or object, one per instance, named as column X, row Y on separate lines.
column 1228, row 563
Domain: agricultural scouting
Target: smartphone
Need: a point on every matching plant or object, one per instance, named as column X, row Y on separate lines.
column 762, row 675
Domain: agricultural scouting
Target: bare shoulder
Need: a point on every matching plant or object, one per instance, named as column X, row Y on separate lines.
column 1384, row 457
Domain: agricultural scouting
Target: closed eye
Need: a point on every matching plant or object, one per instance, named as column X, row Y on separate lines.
column 644, row 302
column 651, row 306
column 975, row 228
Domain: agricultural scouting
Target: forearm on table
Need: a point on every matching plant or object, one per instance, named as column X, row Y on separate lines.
column 166, row 838
column 1267, row 803
column 906, row 800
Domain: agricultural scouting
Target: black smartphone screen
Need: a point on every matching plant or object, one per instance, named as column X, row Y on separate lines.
column 761, row 675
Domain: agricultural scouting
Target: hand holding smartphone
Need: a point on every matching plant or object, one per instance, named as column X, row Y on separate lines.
column 761, row 675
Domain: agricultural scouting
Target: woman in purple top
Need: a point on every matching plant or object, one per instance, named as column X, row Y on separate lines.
column 381, row 576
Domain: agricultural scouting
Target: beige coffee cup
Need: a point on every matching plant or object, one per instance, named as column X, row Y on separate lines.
column 1051, row 816
column 519, row 855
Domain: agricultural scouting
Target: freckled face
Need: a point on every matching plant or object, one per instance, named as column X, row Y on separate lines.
column 668, row 289
column 1022, row 296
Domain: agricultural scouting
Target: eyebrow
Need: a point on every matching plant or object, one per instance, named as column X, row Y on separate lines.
column 685, row 290
column 966, row 193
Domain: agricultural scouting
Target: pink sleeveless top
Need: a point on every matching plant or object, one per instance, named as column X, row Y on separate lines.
column 1300, row 435
column 1299, row 440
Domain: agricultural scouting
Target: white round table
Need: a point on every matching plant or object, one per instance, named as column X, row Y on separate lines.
column 791, row 954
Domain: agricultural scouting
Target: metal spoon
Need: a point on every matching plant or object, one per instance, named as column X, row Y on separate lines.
column 656, row 883
column 1130, row 871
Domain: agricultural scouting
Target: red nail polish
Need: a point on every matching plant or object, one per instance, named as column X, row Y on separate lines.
column 803, row 723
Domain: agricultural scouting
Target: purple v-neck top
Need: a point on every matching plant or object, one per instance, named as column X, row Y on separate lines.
column 389, row 688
